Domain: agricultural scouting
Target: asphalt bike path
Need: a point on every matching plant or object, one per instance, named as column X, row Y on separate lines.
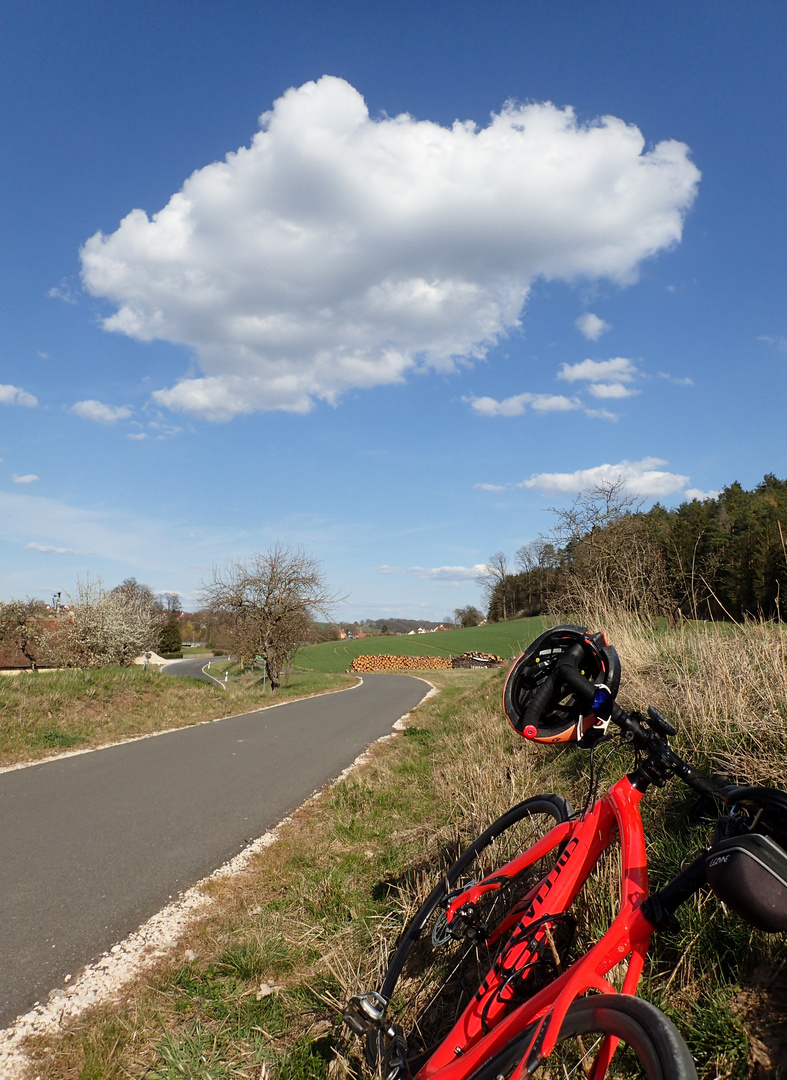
column 91, row 846
column 196, row 668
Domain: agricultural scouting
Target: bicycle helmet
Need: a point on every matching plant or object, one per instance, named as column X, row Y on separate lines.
column 536, row 698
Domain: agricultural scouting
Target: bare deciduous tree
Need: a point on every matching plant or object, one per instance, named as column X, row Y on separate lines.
column 614, row 561
column 271, row 599
column 537, row 562
column 468, row 616
column 494, row 581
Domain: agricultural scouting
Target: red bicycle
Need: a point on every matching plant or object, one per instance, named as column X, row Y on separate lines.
column 482, row 985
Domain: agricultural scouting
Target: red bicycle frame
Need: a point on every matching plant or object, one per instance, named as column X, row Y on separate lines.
column 486, row 1025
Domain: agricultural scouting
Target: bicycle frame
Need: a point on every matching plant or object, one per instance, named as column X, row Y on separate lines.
column 482, row 1030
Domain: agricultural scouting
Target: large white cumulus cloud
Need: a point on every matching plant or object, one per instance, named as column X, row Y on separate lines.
column 340, row 251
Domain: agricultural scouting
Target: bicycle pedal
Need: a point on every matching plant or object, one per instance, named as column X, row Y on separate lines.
column 365, row 1012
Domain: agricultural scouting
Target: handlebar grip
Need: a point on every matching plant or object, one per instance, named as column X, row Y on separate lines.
column 704, row 785
column 570, row 677
column 539, row 702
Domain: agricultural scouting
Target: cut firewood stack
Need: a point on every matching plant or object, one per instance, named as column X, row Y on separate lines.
column 399, row 663
column 477, row 659
column 419, row 663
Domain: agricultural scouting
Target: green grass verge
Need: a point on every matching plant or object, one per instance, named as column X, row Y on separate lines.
column 45, row 713
column 504, row 639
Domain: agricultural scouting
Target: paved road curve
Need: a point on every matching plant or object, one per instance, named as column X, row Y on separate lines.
column 91, row 846
column 192, row 667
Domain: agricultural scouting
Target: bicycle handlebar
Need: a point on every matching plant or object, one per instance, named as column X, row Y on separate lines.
column 652, row 740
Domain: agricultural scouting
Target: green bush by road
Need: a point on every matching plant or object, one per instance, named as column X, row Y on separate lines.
column 503, row 639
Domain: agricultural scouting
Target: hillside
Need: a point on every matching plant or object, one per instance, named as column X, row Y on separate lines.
column 503, row 638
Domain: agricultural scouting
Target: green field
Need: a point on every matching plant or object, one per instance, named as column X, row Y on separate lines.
column 504, row 639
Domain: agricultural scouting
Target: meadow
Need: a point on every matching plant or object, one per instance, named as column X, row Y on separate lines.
column 507, row 639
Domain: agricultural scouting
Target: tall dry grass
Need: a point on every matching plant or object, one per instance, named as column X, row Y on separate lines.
column 724, row 685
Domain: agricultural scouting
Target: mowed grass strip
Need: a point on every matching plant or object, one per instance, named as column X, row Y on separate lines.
column 48, row 712
column 502, row 639
column 252, row 991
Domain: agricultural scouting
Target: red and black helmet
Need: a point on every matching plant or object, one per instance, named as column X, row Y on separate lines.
column 546, row 702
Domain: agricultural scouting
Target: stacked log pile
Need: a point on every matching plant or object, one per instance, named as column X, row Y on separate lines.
column 477, row 659
column 386, row 662
column 399, row 663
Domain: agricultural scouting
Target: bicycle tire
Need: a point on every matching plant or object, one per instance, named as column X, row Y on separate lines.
column 427, row 984
column 651, row 1046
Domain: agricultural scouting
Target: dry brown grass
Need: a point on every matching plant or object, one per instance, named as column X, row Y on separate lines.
column 724, row 685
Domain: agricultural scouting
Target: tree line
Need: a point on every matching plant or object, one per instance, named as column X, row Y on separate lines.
column 716, row 558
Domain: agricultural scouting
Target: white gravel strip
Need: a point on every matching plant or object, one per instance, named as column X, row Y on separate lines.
column 103, row 980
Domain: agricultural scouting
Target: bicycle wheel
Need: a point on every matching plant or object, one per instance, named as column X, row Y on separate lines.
column 650, row 1045
column 432, row 975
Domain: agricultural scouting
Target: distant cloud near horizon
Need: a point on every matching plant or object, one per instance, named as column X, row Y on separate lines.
column 644, row 479
column 446, row 575
column 28, row 478
column 49, row 549
column 341, row 251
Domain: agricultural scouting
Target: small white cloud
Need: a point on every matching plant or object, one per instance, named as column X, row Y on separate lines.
column 48, row 549
column 702, row 496
column 100, row 413
column 517, row 405
column 342, row 251
column 611, row 390
column 641, row 478
column 779, row 342
column 488, row 406
column 618, row 369
column 138, row 435
column 490, row 487
column 63, row 291
column 14, row 395
column 553, row 403
column 440, row 574
column 675, row 380
column 162, row 429
column 591, row 326
column 602, row 414
column 29, row 478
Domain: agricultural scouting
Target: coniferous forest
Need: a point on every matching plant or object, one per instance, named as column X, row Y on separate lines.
column 720, row 558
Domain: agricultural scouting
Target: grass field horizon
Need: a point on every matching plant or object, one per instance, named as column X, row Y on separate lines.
column 507, row 639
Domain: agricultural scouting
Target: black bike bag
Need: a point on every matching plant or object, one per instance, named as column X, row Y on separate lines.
column 749, row 873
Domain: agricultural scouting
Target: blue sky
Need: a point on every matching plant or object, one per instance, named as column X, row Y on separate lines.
column 472, row 259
